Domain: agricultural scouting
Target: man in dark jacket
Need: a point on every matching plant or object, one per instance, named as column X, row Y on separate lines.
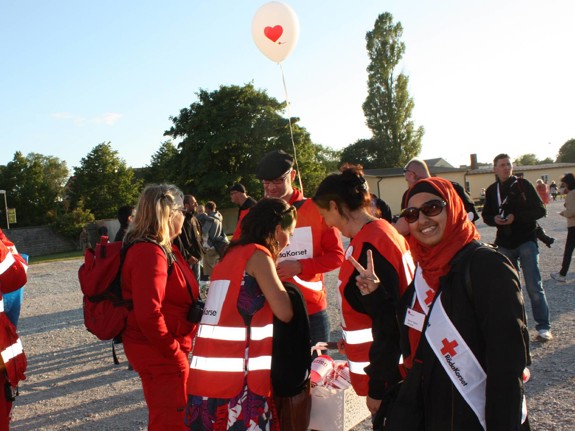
column 513, row 206
column 190, row 240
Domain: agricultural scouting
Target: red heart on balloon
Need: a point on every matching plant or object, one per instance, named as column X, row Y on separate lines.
column 273, row 33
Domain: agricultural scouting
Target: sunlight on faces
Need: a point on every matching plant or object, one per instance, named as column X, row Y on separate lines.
column 428, row 230
column 503, row 169
column 333, row 218
column 280, row 187
column 177, row 217
column 283, row 235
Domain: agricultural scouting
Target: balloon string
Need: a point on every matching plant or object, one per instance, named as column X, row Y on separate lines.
column 291, row 129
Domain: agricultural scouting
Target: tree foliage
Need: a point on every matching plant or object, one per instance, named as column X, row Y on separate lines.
column 225, row 134
column 526, row 160
column 164, row 165
column 567, row 152
column 34, row 186
column 363, row 151
column 388, row 106
column 102, row 183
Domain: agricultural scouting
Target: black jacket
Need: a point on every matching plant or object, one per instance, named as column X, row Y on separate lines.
column 523, row 202
column 489, row 314
column 189, row 242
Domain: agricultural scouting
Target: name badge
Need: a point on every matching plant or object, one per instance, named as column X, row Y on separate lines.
column 414, row 319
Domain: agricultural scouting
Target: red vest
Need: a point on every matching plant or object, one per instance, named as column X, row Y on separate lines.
column 226, row 350
column 356, row 327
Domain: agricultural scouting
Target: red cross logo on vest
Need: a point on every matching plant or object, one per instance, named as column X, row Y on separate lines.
column 429, row 297
column 449, row 347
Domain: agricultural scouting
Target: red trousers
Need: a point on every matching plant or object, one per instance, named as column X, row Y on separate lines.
column 164, row 384
column 5, row 406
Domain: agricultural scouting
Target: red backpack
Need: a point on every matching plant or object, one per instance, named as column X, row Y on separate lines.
column 105, row 311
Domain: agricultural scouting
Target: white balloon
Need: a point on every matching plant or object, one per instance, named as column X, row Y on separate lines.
column 275, row 30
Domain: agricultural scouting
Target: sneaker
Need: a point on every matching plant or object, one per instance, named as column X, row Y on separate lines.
column 544, row 335
column 558, row 277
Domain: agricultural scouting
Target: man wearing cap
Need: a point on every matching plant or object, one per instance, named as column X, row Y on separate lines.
column 314, row 248
column 238, row 196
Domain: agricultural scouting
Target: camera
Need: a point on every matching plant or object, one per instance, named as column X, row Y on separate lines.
column 196, row 312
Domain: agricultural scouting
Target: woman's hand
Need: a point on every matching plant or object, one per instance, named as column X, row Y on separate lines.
column 367, row 281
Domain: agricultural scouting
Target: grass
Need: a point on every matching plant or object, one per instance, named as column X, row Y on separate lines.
column 56, row 257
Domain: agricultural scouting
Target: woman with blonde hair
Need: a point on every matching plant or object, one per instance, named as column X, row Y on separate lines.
column 156, row 279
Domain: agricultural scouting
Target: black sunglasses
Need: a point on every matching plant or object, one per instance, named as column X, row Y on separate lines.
column 429, row 208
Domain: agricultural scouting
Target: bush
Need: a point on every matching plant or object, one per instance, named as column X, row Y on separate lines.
column 70, row 224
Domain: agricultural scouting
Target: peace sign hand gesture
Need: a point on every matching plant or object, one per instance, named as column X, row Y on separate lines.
column 367, row 281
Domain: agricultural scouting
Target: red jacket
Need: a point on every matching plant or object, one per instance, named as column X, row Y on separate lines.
column 356, row 327
column 219, row 365
column 161, row 302
column 12, row 277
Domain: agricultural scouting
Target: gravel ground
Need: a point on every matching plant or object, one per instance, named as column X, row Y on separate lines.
column 73, row 384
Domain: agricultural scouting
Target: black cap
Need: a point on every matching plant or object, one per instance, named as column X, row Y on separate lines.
column 273, row 165
column 237, row 187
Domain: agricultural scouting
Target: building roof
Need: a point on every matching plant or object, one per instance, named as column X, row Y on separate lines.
column 489, row 169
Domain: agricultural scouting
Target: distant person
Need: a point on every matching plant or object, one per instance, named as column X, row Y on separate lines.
column 568, row 184
column 553, row 190
column 542, row 190
column 230, row 382
column 102, row 231
column 315, row 247
column 159, row 330
column 513, row 206
column 12, row 277
column 379, row 208
column 214, row 239
column 238, row 196
column 189, row 242
column 125, row 216
column 416, row 169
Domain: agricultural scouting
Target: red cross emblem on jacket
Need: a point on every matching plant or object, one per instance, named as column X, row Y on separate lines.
column 449, row 347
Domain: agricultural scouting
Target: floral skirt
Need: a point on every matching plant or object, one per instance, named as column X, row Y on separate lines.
column 246, row 411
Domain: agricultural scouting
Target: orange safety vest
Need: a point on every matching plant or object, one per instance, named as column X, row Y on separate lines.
column 226, row 351
column 305, row 244
column 356, row 327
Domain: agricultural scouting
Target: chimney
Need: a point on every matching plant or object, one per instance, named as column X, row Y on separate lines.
column 473, row 161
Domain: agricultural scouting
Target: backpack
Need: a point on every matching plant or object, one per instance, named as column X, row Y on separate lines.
column 105, row 311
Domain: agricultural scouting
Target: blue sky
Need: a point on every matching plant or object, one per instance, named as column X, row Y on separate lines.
column 486, row 77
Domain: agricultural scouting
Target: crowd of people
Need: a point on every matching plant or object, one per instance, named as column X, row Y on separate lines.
column 427, row 310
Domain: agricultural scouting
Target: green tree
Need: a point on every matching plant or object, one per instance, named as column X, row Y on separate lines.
column 164, row 165
column 363, row 151
column 567, row 152
column 35, row 187
column 225, row 134
column 388, row 106
column 546, row 161
column 103, row 183
column 526, row 160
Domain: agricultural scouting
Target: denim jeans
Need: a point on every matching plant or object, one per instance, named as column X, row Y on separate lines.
column 319, row 327
column 526, row 256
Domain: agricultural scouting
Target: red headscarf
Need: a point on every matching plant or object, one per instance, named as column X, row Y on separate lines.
column 459, row 231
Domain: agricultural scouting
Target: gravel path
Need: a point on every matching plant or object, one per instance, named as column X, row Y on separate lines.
column 73, row 384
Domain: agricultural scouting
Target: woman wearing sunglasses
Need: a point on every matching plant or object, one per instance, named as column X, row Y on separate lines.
column 464, row 338
column 368, row 322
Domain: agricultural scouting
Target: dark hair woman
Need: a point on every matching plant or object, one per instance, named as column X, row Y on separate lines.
column 464, row 333
column 230, row 376
column 568, row 187
column 368, row 290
